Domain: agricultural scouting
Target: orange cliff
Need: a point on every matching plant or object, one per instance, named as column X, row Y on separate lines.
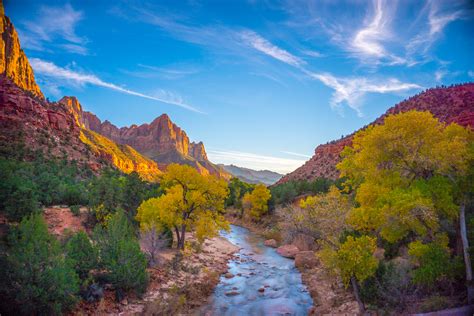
column 13, row 61
column 161, row 140
column 453, row 104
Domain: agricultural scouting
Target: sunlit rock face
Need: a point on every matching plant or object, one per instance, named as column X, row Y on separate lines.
column 449, row 104
column 161, row 140
column 13, row 61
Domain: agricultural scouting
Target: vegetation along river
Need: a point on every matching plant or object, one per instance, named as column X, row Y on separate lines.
column 259, row 282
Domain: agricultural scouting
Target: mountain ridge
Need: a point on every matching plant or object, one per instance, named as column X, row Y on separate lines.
column 453, row 104
column 161, row 140
column 248, row 175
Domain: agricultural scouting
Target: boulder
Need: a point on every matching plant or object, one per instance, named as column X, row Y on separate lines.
column 288, row 251
column 304, row 242
column 306, row 260
column 270, row 243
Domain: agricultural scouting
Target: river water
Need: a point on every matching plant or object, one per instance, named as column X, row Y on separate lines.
column 263, row 282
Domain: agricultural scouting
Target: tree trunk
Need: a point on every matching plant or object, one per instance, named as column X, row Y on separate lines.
column 182, row 237
column 355, row 287
column 467, row 259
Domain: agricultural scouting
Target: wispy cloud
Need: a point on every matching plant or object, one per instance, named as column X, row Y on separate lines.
column 296, row 154
column 440, row 74
column 54, row 25
column 312, row 53
column 367, row 42
column 348, row 90
column 261, row 44
column 254, row 161
column 49, row 69
column 351, row 90
column 437, row 20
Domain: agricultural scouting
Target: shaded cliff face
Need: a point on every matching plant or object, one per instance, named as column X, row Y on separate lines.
column 451, row 105
column 13, row 61
column 39, row 125
column 161, row 140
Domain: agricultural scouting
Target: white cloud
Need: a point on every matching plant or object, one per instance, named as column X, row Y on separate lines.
column 470, row 73
column 440, row 74
column 296, row 154
column 368, row 42
column 437, row 20
column 348, row 90
column 254, row 161
column 48, row 69
column 261, row 44
column 312, row 53
column 54, row 25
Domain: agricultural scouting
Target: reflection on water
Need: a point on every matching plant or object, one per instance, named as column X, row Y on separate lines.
column 263, row 282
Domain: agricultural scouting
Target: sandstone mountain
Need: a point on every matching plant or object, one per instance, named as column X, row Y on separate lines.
column 448, row 104
column 63, row 130
column 13, row 61
column 161, row 140
column 266, row 177
column 28, row 121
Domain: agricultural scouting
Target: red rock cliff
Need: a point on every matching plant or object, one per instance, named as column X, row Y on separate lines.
column 161, row 140
column 448, row 104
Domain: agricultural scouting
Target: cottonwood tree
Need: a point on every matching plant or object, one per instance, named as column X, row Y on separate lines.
column 191, row 201
column 256, row 202
column 323, row 216
column 408, row 176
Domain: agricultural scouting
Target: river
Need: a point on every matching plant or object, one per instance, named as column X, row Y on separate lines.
column 263, row 282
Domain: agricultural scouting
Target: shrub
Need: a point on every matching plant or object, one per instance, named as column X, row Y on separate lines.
column 75, row 210
column 120, row 254
column 39, row 278
column 435, row 263
column 81, row 254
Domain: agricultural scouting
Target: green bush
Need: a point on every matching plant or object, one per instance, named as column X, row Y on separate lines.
column 75, row 210
column 81, row 254
column 38, row 277
column 120, row 255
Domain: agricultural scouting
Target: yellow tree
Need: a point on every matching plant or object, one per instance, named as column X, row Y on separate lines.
column 353, row 260
column 405, row 175
column 191, row 201
column 324, row 216
column 257, row 201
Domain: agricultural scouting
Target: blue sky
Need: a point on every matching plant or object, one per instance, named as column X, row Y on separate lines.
column 261, row 83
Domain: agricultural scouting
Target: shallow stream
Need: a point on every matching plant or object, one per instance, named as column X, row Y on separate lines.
column 261, row 282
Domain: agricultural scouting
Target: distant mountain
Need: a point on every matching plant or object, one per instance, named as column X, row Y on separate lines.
column 161, row 140
column 448, row 104
column 253, row 176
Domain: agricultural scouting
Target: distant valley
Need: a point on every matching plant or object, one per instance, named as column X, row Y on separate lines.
column 266, row 177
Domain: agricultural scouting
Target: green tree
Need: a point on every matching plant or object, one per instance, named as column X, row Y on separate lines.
column 38, row 276
column 81, row 254
column 191, row 201
column 120, row 254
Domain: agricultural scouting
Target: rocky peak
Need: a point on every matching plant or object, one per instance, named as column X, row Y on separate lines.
column 197, row 151
column 73, row 106
column 13, row 61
